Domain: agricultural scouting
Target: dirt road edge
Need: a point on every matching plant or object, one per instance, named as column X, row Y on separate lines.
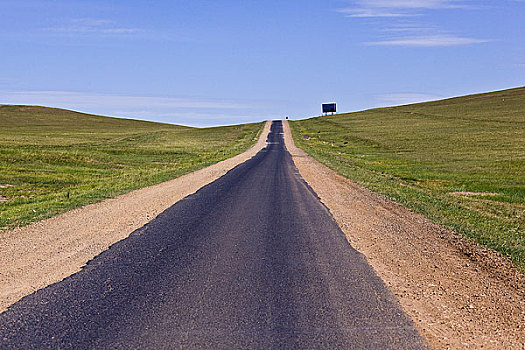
column 460, row 295
column 45, row 252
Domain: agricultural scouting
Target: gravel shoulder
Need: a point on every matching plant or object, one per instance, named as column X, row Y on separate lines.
column 459, row 294
column 37, row 255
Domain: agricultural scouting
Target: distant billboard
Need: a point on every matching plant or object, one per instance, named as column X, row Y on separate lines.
column 329, row 107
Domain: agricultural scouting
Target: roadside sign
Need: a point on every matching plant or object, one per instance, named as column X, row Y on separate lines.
column 329, row 108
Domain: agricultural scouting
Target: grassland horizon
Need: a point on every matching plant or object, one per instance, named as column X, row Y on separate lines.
column 460, row 161
column 54, row 160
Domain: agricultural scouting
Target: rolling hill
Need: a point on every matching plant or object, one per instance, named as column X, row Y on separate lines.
column 460, row 161
column 53, row 160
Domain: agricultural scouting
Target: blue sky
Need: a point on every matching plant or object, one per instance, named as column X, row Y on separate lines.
column 221, row 62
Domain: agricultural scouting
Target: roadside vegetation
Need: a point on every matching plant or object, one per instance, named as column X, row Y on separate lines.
column 460, row 162
column 54, row 160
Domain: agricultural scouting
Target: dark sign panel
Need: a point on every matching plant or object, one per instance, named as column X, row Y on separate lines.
column 329, row 108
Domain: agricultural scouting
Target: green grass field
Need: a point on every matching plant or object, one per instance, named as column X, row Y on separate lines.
column 460, row 162
column 54, row 160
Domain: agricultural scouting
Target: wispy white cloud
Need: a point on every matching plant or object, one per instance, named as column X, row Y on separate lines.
column 82, row 100
column 373, row 12
column 427, row 41
column 92, row 26
column 407, row 32
column 418, row 4
column 194, row 118
column 179, row 110
column 396, row 99
column 399, row 8
column 408, row 28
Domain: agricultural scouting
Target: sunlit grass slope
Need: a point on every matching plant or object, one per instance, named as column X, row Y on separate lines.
column 53, row 160
column 460, row 162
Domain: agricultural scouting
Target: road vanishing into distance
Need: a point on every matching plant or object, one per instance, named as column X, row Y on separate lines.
column 252, row 260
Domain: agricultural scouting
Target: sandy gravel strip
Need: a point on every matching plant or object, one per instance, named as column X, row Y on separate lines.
column 46, row 252
column 459, row 294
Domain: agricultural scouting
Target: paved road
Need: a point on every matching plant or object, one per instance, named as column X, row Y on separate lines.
column 253, row 260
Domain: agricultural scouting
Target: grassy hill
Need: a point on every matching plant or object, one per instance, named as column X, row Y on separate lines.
column 53, row 160
column 460, row 161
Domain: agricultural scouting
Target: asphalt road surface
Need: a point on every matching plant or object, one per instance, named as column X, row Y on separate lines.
column 252, row 260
